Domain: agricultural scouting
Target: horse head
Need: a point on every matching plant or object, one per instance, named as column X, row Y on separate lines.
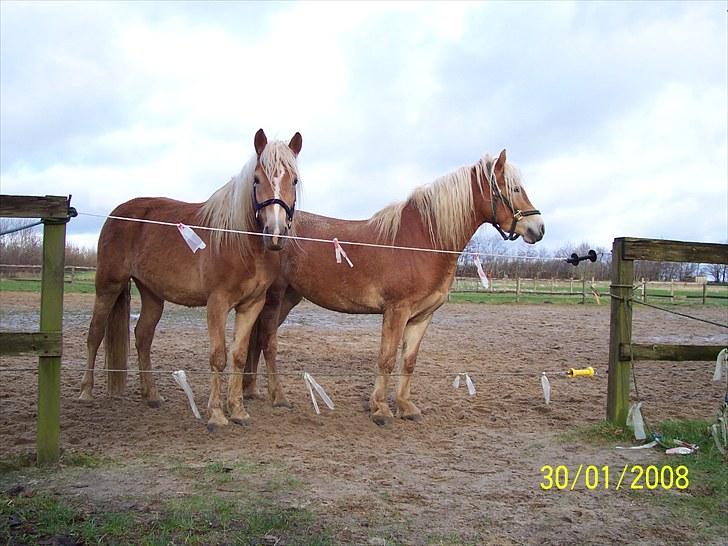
column 274, row 189
column 511, row 211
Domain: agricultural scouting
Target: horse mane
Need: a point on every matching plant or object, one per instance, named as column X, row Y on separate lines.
column 231, row 206
column 446, row 205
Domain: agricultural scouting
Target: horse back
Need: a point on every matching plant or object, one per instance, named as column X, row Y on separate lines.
column 158, row 257
column 381, row 277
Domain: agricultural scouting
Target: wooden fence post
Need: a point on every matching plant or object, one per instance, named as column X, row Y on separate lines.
column 705, row 291
column 644, row 289
column 672, row 290
column 51, row 318
column 571, row 286
column 583, row 290
column 620, row 332
column 518, row 289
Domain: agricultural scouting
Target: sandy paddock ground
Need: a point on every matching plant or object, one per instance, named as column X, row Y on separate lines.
column 470, row 469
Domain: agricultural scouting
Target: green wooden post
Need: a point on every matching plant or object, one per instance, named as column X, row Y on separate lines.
column 620, row 332
column 49, row 367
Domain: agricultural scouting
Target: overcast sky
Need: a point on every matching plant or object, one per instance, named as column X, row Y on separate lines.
column 616, row 113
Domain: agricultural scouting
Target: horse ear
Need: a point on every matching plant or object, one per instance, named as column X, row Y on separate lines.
column 260, row 141
column 501, row 162
column 296, row 143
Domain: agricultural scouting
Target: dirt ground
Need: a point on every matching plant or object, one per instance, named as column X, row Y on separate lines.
column 469, row 471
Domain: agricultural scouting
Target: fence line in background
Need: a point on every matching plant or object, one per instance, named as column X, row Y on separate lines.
column 519, row 287
column 583, row 288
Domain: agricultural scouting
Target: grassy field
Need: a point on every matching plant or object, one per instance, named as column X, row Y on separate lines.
column 470, row 291
column 224, row 503
column 83, row 283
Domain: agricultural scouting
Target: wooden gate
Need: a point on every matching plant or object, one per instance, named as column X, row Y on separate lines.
column 54, row 211
column 621, row 349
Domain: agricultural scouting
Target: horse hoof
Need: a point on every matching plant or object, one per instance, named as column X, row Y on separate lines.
column 381, row 420
column 215, row 423
column 242, row 421
column 85, row 397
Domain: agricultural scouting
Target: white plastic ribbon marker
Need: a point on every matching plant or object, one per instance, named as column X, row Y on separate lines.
column 191, row 238
column 340, row 252
column 468, row 383
column 546, row 386
column 721, row 365
column 181, row 379
column 471, row 386
column 483, row 277
column 652, row 444
column 311, row 384
column 634, row 420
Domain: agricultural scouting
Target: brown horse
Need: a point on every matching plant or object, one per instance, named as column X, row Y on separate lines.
column 234, row 272
column 403, row 285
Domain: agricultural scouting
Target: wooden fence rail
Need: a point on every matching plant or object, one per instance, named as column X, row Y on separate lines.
column 55, row 211
column 584, row 288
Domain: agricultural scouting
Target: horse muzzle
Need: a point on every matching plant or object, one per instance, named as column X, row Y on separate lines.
column 534, row 229
column 274, row 239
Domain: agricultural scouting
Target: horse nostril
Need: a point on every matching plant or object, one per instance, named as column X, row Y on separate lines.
column 543, row 230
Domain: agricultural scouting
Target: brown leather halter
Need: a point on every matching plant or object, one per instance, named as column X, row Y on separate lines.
column 495, row 196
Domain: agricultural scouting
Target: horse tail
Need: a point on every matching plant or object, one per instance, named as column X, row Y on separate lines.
column 116, row 343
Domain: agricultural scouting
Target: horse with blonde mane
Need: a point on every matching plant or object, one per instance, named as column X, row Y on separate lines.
column 233, row 272
column 405, row 286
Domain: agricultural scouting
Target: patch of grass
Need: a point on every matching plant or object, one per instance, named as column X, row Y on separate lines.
column 27, row 460
column 599, row 433
column 450, row 539
column 706, row 498
column 81, row 460
column 16, row 462
column 196, row 519
column 705, row 501
column 33, row 285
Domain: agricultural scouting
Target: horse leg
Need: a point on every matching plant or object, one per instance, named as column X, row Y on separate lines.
column 151, row 312
column 269, row 341
column 250, row 377
column 413, row 334
column 393, row 326
column 217, row 311
column 245, row 317
column 103, row 303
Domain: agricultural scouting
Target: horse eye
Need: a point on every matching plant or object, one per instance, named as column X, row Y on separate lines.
column 256, row 180
column 295, row 181
column 517, row 190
